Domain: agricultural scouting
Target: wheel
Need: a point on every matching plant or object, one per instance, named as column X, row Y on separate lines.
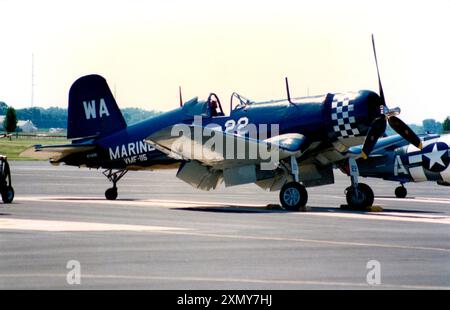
column 293, row 196
column 111, row 193
column 401, row 192
column 361, row 199
column 8, row 194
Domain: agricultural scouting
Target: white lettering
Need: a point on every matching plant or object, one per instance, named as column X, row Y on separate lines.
column 103, row 108
column 197, row 300
column 399, row 167
column 131, row 149
column 142, row 146
column 89, row 109
column 124, row 151
column 115, row 154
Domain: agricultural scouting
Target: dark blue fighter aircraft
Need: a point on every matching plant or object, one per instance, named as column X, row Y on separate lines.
column 313, row 134
column 394, row 159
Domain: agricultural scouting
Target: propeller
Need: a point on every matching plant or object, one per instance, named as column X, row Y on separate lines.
column 378, row 126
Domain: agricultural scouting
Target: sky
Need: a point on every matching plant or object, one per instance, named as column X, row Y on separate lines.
column 146, row 49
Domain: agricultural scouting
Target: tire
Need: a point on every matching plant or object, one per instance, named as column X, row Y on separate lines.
column 364, row 200
column 111, row 193
column 293, row 196
column 401, row 192
column 8, row 194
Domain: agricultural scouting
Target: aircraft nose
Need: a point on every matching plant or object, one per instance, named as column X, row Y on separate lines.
column 352, row 114
column 368, row 107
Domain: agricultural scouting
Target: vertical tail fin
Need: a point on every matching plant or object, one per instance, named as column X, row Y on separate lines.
column 92, row 109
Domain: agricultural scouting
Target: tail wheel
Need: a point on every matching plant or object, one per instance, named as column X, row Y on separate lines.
column 293, row 196
column 113, row 176
column 8, row 194
column 111, row 193
column 401, row 192
column 361, row 198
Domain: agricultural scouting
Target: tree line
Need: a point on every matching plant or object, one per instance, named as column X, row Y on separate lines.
column 428, row 126
column 54, row 117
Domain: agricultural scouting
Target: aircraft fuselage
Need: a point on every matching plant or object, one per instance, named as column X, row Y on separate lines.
column 339, row 120
column 409, row 164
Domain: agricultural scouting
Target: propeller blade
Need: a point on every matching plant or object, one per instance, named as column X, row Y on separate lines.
column 379, row 125
column 403, row 130
column 376, row 130
column 380, row 86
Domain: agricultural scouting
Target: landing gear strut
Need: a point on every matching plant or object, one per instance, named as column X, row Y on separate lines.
column 114, row 177
column 359, row 196
column 401, row 192
column 293, row 195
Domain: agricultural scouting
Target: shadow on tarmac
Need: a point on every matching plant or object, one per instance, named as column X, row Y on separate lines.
column 279, row 209
column 271, row 208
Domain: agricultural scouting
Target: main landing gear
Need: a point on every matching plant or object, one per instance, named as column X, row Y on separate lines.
column 293, row 195
column 359, row 196
column 114, row 177
column 401, row 192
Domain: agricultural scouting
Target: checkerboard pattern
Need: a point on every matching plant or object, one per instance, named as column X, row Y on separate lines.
column 342, row 117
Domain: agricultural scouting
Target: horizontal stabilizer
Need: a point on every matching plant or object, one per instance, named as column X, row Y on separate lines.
column 58, row 152
column 64, row 148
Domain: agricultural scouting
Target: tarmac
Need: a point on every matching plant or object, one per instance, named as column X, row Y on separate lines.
column 163, row 234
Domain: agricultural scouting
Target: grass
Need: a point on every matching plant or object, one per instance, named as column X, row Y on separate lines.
column 14, row 147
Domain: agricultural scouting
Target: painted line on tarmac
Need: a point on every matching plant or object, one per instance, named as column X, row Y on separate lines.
column 384, row 216
column 141, row 202
column 387, row 216
column 303, row 240
column 67, row 226
column 52, row 176
column 228, row 280
column 417, row 199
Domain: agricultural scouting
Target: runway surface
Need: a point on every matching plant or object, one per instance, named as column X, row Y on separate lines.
column 162, row 234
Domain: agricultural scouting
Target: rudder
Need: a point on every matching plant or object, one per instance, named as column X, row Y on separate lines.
column 92, row 111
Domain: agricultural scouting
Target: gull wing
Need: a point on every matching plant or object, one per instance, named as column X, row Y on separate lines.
column 213, row 147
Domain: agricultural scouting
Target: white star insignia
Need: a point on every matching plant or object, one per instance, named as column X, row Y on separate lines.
column 435, row 157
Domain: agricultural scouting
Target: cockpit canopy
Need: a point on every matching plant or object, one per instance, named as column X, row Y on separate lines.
column 209, row 108
column 242, row 102
column 212, row 106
